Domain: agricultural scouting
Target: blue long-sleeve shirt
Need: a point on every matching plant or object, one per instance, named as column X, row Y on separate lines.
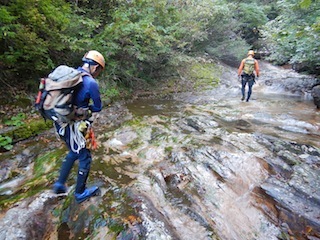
column 89, row 89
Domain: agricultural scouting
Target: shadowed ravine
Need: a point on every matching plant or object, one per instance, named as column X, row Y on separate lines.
column 199, row 166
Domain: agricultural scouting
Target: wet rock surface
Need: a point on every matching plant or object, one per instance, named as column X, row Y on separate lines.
column 316, row 95
column 31, row 219
column 214, row 167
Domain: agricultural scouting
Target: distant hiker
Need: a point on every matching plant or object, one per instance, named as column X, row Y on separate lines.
column 73, row 133
column 246, row 71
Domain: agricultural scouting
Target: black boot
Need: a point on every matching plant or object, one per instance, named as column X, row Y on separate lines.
column 82, row 193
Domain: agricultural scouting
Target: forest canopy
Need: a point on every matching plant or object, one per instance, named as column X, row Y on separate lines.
column 145, row 39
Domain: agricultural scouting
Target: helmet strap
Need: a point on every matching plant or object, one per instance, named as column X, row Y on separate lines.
column 88, row 65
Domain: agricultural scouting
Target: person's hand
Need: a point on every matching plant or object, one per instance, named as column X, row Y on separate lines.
column 94, row 117
column 239, row 78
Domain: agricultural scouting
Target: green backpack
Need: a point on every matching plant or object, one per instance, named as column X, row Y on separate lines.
column 249, row 66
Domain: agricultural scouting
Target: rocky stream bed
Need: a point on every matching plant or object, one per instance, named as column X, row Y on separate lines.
column 197, row 165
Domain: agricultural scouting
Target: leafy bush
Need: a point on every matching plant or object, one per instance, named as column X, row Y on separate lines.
column 293, row 36
column 138, row 40
column 6, row 142
column 31, row 34
column 221, row 29
column 141, row 38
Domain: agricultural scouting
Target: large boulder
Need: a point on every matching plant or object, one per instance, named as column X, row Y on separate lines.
column 316, row 95
column 29, row 219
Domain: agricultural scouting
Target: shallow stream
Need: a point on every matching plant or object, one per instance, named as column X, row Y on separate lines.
column 198, row 166
column 223, row 161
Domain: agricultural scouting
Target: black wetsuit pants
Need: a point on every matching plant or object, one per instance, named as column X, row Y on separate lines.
column 247, row 79
column 84, row 158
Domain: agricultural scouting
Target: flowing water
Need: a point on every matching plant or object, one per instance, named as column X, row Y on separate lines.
column 222, row 165
column 228, row 165
column 206, row 166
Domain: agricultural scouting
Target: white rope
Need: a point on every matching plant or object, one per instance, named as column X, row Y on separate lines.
column 76, row 137
column 61, row 131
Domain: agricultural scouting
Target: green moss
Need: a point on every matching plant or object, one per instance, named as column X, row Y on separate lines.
column 28, row 130
column 168, row 149
column 137, row 121
column 102, row 168
column 160, row 138
column 194, row 75
column 115, row 226
column 47, row 162
column 205, row 75
column 135, row 144
column 44, row 173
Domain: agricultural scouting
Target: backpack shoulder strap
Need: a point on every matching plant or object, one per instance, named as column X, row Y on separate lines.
column 85, row 74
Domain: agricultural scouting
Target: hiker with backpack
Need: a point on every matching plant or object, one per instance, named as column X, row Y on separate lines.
column 246, row 74
column 85, row 100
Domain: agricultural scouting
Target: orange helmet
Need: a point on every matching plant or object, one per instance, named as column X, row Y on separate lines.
column 251, row 52
column 95, row 56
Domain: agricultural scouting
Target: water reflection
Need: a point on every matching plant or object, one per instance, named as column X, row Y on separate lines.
column 271, row 113
column 151, row 107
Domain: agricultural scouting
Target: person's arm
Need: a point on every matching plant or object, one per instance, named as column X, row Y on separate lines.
column 95, row 96
column 241, row 67
column 256, row 68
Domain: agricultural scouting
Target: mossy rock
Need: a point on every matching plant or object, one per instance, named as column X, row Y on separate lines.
column 28, row 130
column 195, row 75
column 45, row 170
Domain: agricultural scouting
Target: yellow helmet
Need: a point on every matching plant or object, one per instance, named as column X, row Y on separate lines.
column 95, row 56
column 251, row 52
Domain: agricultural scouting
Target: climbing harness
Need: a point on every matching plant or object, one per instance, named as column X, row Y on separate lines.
column 81, row 135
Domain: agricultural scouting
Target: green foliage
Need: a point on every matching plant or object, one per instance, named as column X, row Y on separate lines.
column 141, row 39
column 111, row 93
column 218, row 30
column 144, row 36
column 138, row 40
column 31, row 35
column 26, row 131
column 109, row 90
column 251, row 17
column 79, row 33
column 293, row 36
column 305, row 3
column 6, row 142
column 16, row 120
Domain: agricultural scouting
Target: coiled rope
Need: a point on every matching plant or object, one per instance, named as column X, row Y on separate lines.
column 77, row 140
